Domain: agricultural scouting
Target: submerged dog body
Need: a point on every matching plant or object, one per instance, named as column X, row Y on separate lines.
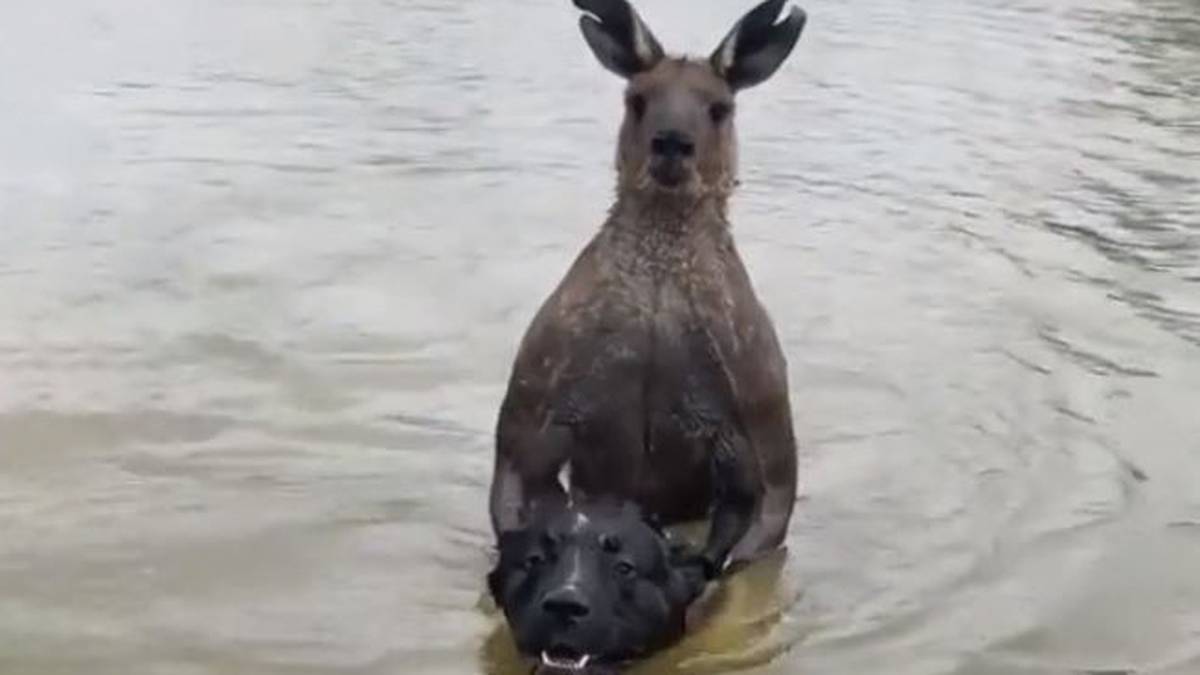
column 652, row 374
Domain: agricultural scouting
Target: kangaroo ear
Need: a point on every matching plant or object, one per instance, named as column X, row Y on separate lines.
column 757, row 46
column 618, row 36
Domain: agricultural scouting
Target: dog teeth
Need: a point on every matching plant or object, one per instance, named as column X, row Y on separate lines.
column 566, row 664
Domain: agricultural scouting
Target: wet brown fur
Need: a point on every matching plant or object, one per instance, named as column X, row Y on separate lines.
column 652, row 370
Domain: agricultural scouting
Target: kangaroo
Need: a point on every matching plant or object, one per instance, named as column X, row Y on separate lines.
column 651, row 375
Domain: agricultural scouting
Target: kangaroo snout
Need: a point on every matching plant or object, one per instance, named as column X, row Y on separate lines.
column 671, row 154
column 672, row 144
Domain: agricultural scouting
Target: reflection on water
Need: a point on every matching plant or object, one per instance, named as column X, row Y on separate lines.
column 265, row 265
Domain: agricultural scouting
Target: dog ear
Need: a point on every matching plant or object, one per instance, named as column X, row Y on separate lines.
column 653, row 521
column 494, row 582
column 687, row 574
column 510, row 541
column 509, row 546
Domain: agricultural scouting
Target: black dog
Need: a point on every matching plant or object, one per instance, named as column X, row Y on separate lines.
column 592, row 582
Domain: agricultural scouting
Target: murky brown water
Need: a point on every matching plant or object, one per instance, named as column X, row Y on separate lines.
column 263, row 266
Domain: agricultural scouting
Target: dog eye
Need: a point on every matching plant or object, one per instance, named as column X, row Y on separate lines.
column 625, row 568
column 719, row 111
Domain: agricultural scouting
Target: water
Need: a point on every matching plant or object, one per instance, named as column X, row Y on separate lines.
column 263, row 267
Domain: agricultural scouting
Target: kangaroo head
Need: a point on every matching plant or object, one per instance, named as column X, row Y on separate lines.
column 678, row 133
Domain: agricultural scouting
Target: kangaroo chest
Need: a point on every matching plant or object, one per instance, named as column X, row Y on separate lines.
column 646, row 394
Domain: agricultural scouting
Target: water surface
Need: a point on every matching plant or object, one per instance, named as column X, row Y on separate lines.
column 264, row 265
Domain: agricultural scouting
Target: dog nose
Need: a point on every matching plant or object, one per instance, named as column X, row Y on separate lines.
column 565, row 603
column 672, row 143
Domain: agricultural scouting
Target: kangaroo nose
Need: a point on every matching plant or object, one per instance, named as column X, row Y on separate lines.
column 565, row 603
column 673, row 144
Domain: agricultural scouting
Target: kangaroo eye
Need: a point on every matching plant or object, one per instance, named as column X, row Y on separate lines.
column 625, row 568
column 532, row 561
column 637, row 105
column 719, row 111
